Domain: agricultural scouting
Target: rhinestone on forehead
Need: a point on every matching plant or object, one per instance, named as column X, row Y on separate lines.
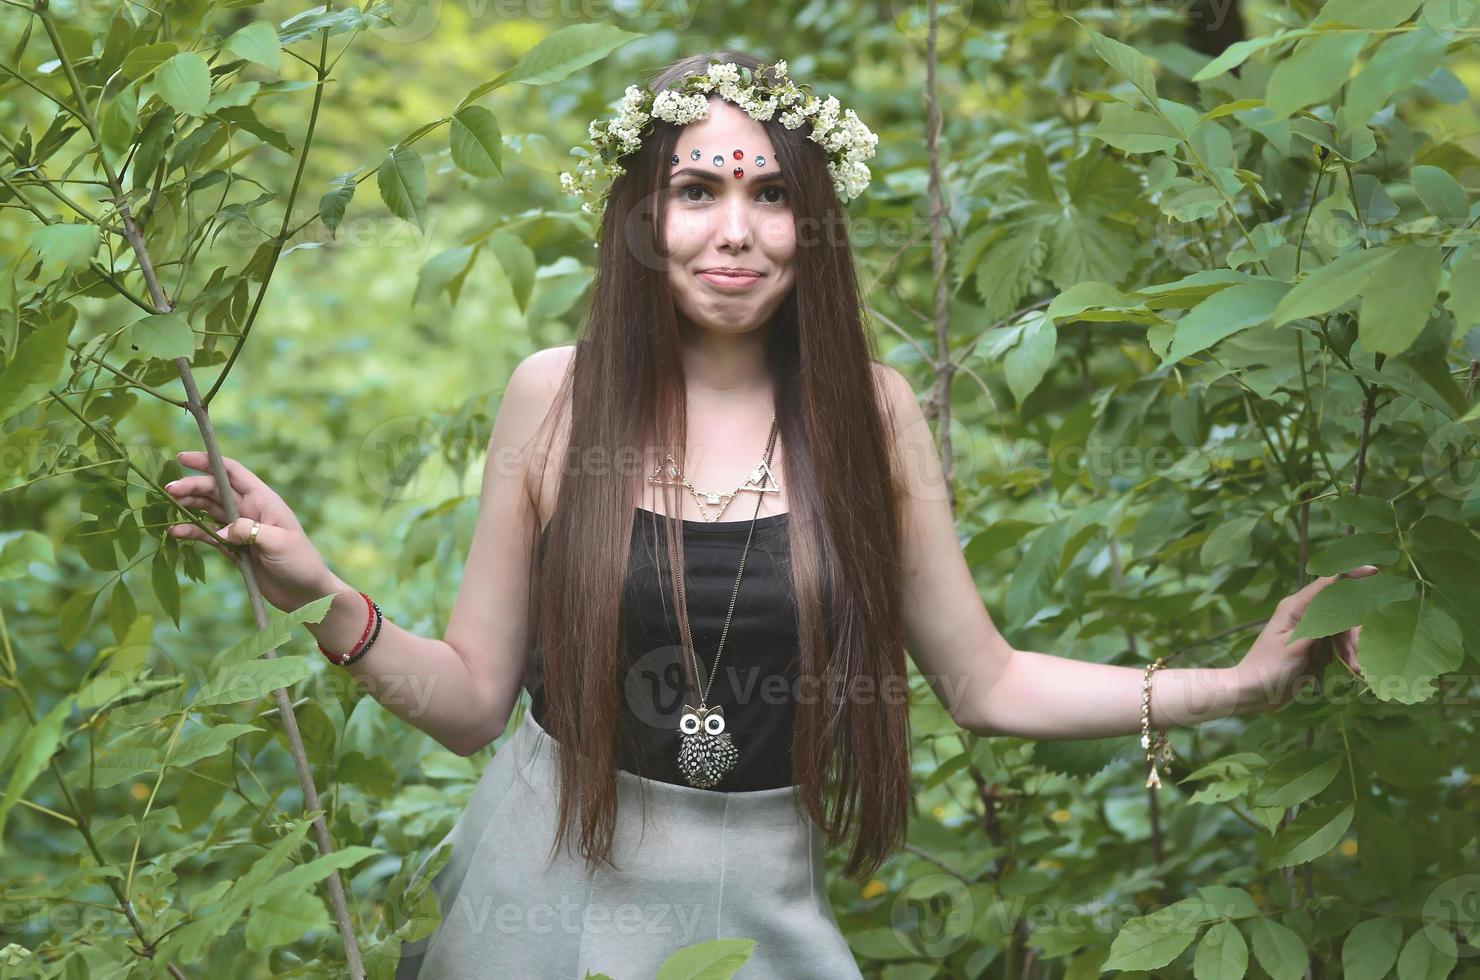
column 760, row 161
column 719, row 161
column 694, row 153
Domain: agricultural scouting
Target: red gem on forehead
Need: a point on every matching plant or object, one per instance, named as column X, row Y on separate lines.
column 738, row 155
column 739, row 172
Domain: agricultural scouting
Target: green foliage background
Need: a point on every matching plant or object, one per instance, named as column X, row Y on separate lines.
column 1209, row 328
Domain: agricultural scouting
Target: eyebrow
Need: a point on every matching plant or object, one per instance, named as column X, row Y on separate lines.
column 770, row 176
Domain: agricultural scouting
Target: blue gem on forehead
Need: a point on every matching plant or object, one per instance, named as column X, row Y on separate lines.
column 760, row 161
column 719, row 161
column 675, row 159
column 694, row 153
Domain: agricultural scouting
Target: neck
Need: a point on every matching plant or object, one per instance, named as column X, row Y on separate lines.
column 726, row 366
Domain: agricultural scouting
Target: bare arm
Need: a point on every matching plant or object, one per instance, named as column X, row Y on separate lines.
column 462, row 688
column 989, row 687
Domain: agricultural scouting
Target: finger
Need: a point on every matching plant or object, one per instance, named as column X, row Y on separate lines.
column 201, row 486
column 189, row 532
column 242, row 480
column 269, row 541
column 1296, row 604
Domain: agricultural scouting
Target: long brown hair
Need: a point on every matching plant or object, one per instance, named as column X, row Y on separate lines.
column 851, row 744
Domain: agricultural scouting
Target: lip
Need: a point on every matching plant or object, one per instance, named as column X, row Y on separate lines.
column 731, row 280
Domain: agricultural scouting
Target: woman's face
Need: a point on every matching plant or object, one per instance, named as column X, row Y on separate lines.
column 716, row 220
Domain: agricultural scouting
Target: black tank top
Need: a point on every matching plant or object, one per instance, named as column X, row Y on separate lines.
column 756, row 681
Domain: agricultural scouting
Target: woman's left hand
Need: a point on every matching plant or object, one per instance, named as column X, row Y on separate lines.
column 1272, row 669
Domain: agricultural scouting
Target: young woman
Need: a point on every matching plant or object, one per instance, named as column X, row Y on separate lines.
column 713, row 703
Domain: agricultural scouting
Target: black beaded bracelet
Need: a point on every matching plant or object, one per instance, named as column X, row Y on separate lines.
column 379, row 619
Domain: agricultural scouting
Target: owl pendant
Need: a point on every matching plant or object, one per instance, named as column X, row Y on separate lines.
column 707, row 752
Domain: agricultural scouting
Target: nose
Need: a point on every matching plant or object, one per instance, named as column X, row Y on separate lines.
column 735, row 221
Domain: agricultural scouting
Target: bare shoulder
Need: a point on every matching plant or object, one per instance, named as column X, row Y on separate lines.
column 528, row 401
column 895, row 395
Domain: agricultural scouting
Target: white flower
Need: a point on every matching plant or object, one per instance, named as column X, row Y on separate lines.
column 721, row 74
column 844, row 137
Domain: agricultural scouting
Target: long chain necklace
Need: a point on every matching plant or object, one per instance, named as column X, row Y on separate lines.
column 706, row 751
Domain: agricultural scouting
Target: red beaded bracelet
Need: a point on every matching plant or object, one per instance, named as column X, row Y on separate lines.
column 366, row 637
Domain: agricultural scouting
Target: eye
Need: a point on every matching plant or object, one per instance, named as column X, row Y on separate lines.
column 683, row 191
column 714, row 724
column 689, row 723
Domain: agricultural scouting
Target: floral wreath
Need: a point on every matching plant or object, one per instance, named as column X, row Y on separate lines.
column 847, row 140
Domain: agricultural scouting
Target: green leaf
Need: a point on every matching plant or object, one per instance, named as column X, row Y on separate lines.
column 278, row 632
column 716, row 959
column 1343, row 604
column 518, row 262
column 1313, row 832
column 139, row 62
column 40, row 741
column 252, row 680
column 1239, row 52
column 335, row 201
column 1371, row 949
column 1372, row 14
column 122, row 610
column 1229, row 542
column 1441, row 194
column 35, row 368
column 1149, row 942
column 1131, row 64
column 477, row 145
column 402, row 179
column 166, row 586
column 1134, row 131
column 184, row 82
column 1222, row 954
column 556, row 57
column 1398, row 298
column 70, row 246
column 1363, row 513
column 1331, row 285
column 1464, row 288
column 1008, row 266
column 1279, row 950
column 1405, row 645
column 257, row 42
column 1036, row 573
column 306, row 876
column 1401, row 61
column 1028, row 361
column 117, row 765
column 17, row 554
column 208, row 742
column 1298, row 777
column 1451, row 15
column 286, row 919
column 1312, row 73
column 1349, row 551
column 120, row 121
column 440, row 270
column 1422, row 959
column 163, row 335
column 1224, row 314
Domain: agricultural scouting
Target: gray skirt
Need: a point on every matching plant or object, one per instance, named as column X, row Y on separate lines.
column 703, row 865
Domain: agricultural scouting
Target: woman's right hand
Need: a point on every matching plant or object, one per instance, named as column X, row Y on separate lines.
column 290, row 570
